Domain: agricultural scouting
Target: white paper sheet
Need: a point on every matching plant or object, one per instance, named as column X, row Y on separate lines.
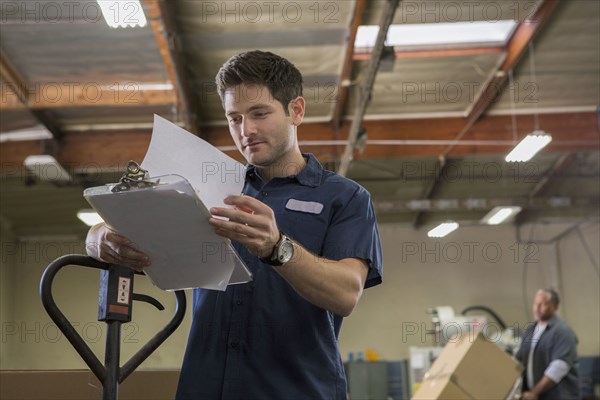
column 213, row 174
column 169, row 222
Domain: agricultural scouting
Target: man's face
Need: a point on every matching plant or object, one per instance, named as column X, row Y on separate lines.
column 543, row 309
column 258, row 124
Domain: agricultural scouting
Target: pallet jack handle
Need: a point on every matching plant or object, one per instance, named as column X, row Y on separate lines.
column 115, row 301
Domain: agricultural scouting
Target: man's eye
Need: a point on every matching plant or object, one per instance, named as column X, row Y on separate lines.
column 234, row 120
column 260, row 114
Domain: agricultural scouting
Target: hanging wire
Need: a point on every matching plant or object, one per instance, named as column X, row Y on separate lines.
column 587, row 250
column 511, row 83
column 533, row 77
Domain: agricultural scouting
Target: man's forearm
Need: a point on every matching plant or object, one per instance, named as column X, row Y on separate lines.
column 333, row 285
column 543, row 385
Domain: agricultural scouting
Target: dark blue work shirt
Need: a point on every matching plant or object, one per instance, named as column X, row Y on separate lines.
column 261, row 340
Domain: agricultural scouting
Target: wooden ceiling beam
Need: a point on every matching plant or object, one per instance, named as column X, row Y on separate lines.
column 561, row 164
column 346, row 75
column 10, row 76
column 158, row 16
column 10, row 101
column 366, row 87
column 574, row 132
column 406, row 54
column 65, row 95
column 566, row 129
column 515, row 48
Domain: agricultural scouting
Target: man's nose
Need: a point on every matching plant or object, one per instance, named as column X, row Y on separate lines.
column 248, row 127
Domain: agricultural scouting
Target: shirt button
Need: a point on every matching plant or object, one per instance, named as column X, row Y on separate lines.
column 239, row 301
column 234, row 343
column 265, row 194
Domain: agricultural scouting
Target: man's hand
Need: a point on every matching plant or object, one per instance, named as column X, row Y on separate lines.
column 529, row 396
column 334, row 285
column 251, row 223
column 545, row 384
column 104, row 244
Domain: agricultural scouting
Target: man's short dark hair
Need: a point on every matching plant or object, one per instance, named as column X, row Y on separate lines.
column 280, row 76
column 552, row 296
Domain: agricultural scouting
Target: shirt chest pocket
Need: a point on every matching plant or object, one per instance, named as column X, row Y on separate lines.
column 306, row 222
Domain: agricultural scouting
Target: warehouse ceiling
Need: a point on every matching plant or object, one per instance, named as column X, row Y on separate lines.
column 429, row 143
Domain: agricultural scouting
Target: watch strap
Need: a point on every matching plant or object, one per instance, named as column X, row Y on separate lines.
column 272, row 259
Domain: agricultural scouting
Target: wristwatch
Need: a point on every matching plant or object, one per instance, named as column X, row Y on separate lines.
column 282, row 252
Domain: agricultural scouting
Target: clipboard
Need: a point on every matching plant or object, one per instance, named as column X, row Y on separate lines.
column 165, row 219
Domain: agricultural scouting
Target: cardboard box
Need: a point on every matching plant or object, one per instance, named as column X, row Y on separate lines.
column 440, row 387
column 478, row 367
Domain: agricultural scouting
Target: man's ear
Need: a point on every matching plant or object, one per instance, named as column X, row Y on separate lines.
column 296, row 110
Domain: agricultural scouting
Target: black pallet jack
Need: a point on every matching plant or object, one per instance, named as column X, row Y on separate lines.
column 114, row 307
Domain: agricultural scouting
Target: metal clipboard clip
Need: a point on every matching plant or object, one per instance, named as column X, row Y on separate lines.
column 135, row 177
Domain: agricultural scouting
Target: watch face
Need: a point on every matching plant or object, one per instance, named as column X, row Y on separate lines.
column 286, row 251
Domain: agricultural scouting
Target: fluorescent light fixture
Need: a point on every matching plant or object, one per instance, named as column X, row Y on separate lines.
column 498, row 215
column 89, row 217
column 443, row 229
column 366, row 36
column 46, row 168
column 529, row 147
column 440, row 35
column 21, row 135
column 123, row 13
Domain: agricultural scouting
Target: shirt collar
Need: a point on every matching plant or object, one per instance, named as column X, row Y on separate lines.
column 548, row 324
column 541, row 325
column 310, row 176
column 552, row 321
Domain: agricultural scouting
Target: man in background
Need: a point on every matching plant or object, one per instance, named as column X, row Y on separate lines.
column 548, row 353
